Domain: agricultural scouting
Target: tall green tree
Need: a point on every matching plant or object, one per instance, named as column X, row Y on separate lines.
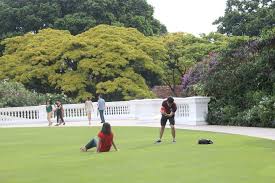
column 242, row 82
column 118, row 62
column 21, row 16
column 247, row 17
column 240, row 79
column 185, row 50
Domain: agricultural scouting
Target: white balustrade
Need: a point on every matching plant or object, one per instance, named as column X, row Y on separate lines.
column 22, row 115
column 191, row 111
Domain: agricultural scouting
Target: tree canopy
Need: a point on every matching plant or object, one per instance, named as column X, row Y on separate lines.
column 184, row 51
column 21, row 16
column 240, row 81
column 115, row 61
column 247, row 17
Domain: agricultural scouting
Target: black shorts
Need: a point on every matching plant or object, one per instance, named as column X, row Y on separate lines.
column 164, row 119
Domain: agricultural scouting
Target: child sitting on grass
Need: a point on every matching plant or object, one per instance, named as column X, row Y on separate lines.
column 104, row 141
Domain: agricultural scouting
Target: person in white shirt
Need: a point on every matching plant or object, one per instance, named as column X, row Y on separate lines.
column 101, row 108
column 89, row 108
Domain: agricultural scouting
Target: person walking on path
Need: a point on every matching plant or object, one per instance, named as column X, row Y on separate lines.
column 103, row 142
column 59, row 113
column 101, row 108
column 168, row 109
column 49, row 110
column 89, row 109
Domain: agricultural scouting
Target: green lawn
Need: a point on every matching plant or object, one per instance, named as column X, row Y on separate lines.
column 38, row 155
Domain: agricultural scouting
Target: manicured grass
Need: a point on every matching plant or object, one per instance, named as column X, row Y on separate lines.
column 40, row 155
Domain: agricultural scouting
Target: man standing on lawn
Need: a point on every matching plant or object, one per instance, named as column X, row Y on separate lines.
column 168, row 110
column 101, row 108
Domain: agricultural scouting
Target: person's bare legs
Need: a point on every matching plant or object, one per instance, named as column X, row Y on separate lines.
column 173, row 132
column 162, row 128
column 89, row 117
column 49, row 116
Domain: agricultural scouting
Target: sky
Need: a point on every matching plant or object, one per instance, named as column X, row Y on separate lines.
column 192, row 16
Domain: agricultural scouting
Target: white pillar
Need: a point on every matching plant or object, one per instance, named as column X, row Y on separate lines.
column 198, row 110
column 42, row 114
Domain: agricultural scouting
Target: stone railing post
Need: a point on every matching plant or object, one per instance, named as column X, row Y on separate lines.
column 198, row 110
column 42, row 113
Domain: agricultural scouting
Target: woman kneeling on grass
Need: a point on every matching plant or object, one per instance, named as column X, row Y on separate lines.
column 104, row 141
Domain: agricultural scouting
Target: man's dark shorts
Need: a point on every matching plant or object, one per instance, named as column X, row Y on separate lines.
column 164, row 119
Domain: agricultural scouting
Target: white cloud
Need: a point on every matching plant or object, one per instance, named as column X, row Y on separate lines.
column 193, row 16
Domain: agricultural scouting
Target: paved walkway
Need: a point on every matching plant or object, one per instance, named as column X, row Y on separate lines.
column 267, row 133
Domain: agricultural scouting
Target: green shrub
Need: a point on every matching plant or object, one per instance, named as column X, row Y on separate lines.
column 13, row 94
column 242, row 84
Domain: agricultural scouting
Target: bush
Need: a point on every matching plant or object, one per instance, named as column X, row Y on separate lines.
column 13, row 94
column 259, row 115
column 242, row 85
